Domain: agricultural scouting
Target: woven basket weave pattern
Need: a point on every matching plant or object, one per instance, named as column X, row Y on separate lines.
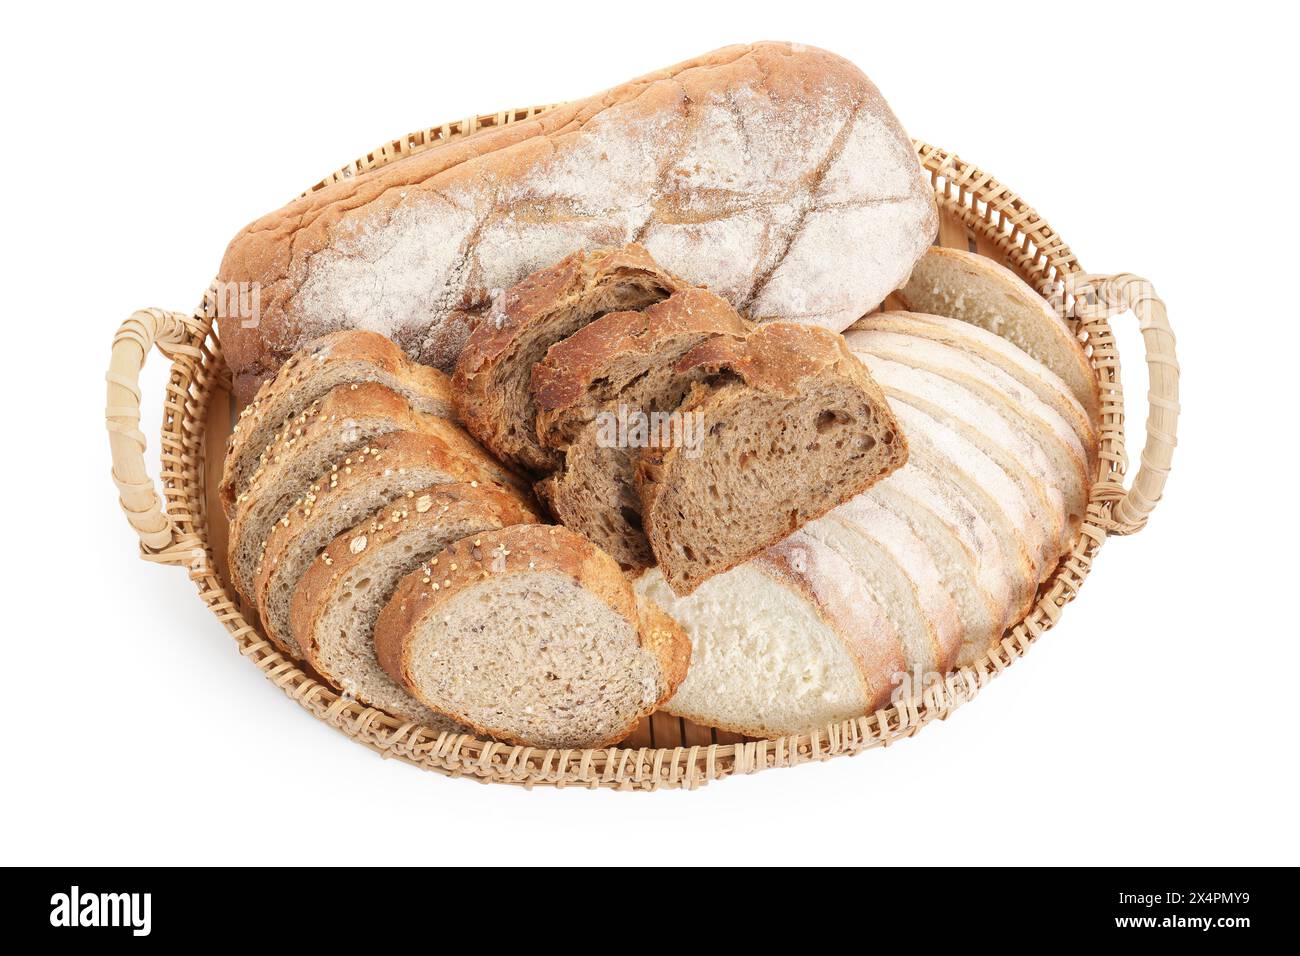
column 994, row 221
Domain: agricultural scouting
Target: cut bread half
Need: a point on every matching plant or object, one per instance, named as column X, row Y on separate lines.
column 788, row 642
column 389, row 469
column 789, row 424
column 340, row 358
column 346, row 419
column 604, row 386
column 979, row 353
column 531, row 634
column 339, row 597
column 975, row 289
column 494, row 371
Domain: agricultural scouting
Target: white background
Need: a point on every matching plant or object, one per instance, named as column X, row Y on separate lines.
column 1156, row 724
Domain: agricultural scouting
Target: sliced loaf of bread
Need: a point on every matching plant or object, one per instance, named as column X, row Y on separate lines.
column 339, row 597
column 345, row 419
column 790, row 425
column 531, row 634
column 951, row 548
column 493, row 374
column 613, row 375
column 975, row 289
column 340, row 358
column 389, row 469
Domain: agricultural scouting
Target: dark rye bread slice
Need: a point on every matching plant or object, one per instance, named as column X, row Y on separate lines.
column 491, row 384
column 622, row 364
column 533, row 635
column 337, row 601
column 346, row 419
column 793, row 425
column 388, row 469
column 340, row 358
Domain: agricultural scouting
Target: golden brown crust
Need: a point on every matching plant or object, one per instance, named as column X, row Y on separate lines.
column 437, row 504
column 278, row 399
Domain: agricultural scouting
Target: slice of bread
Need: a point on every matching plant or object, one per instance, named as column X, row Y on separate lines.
column 339, row 597
column 388, row 469
column 494, row 371
column 340, row 358
column 791, row 424
column 622, row 367
column 345, row 419
column 975, row 289
column 979, row 353
column 790, row 641
column 531, row 634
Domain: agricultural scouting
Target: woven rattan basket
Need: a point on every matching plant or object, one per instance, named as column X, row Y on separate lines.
column 186, row 526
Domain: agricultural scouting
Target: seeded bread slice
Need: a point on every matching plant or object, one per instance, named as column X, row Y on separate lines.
column 975, row 289
column 622, row 368
column 532, row 635
column 341, row 358
column 345, row 419
column 339, row 597
column 494, row 370
column 792, row 425
column 384, row 471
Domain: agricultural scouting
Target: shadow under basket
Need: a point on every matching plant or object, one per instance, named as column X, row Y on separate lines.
column 977, row 213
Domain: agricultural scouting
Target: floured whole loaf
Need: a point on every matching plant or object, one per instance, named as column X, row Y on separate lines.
column 775, row 174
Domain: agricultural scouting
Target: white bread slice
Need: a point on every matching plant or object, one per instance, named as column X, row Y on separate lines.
column 340, row 358
column 531, row 634
column 787, row 642
column 975, row 289
column 1058, row 469
column 987, row 347
column 337, row 601
column 975, row 373
column 365, row 480
column 346, row 418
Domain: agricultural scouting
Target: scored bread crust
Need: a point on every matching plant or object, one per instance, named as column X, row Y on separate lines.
column 778, row 359
column 522, row 550
column 422, row 456
column 1019, row 314
column 436, row 505
column 575, row 380
column 300, row 382
column 308, row 437
column 703, row 162
column 493, row 374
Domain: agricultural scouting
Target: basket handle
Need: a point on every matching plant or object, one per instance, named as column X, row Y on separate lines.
column 161, row 540
column 1111, row 295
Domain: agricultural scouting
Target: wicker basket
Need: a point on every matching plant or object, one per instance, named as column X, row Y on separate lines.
column 976, row 212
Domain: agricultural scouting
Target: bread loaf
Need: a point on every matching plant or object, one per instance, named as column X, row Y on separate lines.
column 930, row 565
column 339, row 597
column 774, row 174
column 531, row 634
column 341, row 358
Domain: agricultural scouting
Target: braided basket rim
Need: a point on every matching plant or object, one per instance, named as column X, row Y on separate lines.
column 987, row 208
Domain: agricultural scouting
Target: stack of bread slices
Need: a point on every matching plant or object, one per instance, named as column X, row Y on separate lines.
column 382, row 545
